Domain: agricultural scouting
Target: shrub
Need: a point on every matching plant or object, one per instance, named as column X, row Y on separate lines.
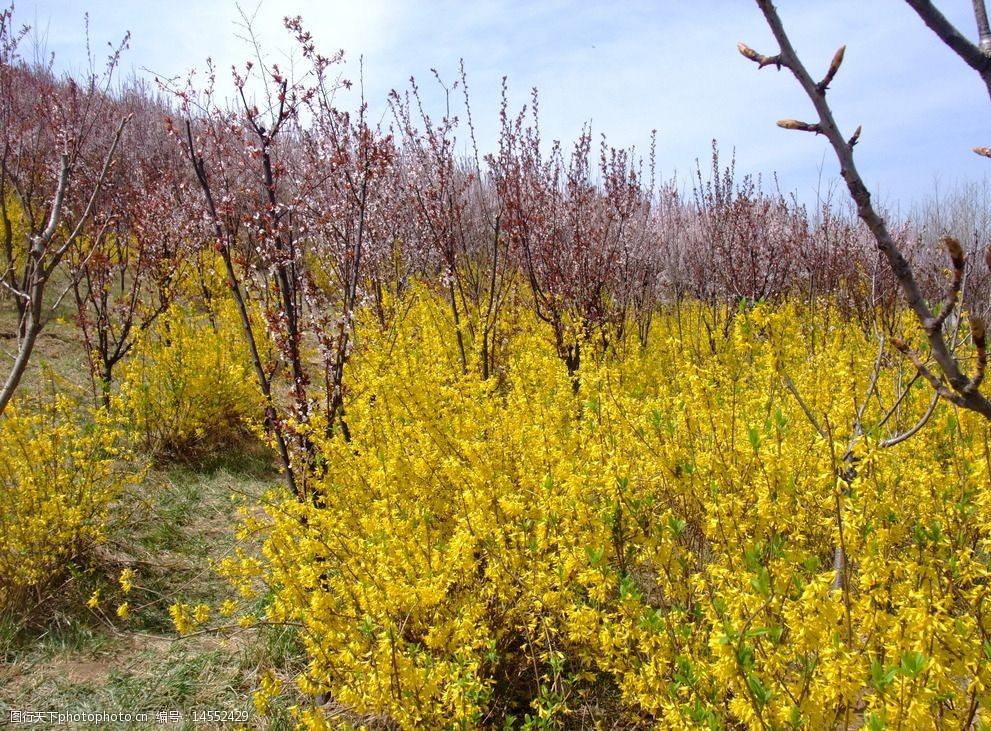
column 60, row 471
column 510, row 552
column 188, row 388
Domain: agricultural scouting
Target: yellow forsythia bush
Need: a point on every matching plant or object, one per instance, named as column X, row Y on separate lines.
column 187, row 386
column 60, row 471
column 659, row 546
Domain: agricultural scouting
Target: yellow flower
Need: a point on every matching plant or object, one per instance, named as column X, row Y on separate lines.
column 269, row 687
column 125, row 579
column 181, row 618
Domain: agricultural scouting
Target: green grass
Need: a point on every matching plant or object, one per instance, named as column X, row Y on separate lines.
column 177, row 675
column 59, row 655
column 170, row 530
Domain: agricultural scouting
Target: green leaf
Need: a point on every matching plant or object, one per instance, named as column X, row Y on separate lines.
column 745, row 656
column 594, row 555
column 912, row 663
column 754, row 436
column 881, row 678
column 780, row 420
column 628, row 588
column 761, row 583
column 761, row 694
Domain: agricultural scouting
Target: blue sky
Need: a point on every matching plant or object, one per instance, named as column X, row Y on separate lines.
column 627, row 67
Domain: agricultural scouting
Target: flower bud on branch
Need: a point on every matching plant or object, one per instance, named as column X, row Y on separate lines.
column 800, row 126
column 983, row 151
column 955, row 251
column 951, row 384
column 759, row 58
column 834, row 66
column 979, row 332
column 855, row 137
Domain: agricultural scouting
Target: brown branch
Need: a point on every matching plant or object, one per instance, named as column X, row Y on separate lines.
column 40, row 242
column 950, row 35
column 923, row 420
column 800, row 126
column 855, row 137
column 955, row 251
column 954, row 39
column 858, row 425
column 834, row 66
column 959, row 384
column 223, row 240
column 983, row 28
column 978, row 332
column 790, row 385
column 760, row 59
column 937, row 385
column 44, row 258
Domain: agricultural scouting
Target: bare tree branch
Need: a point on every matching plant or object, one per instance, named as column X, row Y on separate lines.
column 948, row 33
column 983, row 29
column 908, row 434
column 43, row 260
column 979, row 334
column 953, row 291
column 957, row 386
column 831, row 73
